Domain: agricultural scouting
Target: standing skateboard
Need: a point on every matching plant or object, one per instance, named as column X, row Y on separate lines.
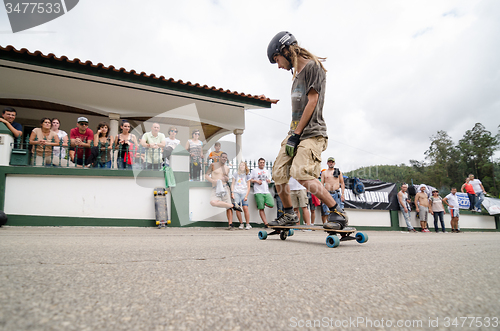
column 332, row 240
column 161, row 207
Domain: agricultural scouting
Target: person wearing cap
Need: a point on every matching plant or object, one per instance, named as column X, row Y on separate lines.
column 81, row 137
column 300, row 152
column 333, row 180
column 422, row 207
column 437, row 210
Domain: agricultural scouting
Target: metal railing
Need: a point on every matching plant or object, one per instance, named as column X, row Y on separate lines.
column 114, row 156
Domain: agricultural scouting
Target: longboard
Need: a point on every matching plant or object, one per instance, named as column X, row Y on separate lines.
column 332, row 240
column 161, row 207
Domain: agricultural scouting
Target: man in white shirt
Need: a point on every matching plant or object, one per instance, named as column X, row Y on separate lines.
column 479, row 190
column 451, row 200
column 298, row 194
column 154, row 142
column 261, row 178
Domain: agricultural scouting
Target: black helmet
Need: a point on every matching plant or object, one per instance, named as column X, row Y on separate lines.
column 282, row 39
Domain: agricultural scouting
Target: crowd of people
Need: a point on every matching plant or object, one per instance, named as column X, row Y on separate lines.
column 231, row 190
column 432, row 203
column 83, row 147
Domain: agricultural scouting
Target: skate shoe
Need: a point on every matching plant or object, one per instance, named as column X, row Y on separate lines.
column 337, row 219
column 285, row 220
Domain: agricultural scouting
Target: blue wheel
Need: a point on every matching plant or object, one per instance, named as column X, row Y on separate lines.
column 262, row 235
column 361, row 237
column 332, row 241
column 290, row 232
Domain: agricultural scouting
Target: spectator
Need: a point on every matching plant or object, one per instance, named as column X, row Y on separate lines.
column 404, row 205
column 215, row 155
column 240, row 187
column 298, row 194
column 195, row 148
column 313, row 203
column 437, row 210
column 154, row 142
column 170, row 144
column 451, row 200
column 81, row 137
column 106, row 141
column 218, row 175
column 127, row 146
column 58, row 151
column 333, row 181
column 422, row 207
column 261, row 178
column 479, row 190
column 8, row 116
column 467, row 186
column 44, row 138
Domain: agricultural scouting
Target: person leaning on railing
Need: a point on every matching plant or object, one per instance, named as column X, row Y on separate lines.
column 126, row 143
column 42, row 139
column 104, row 143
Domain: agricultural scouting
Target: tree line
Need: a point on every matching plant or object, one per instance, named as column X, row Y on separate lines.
column 446, row 164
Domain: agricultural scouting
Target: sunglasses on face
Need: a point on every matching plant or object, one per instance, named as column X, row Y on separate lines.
column 173, row 131
column 84, row 124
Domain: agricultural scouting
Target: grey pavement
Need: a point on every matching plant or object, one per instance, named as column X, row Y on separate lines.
column 77, row 278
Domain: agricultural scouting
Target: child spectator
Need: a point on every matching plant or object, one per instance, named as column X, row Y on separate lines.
column 215, row 155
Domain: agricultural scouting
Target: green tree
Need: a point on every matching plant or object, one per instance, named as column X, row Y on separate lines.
column 443, row 156
column 477, row 148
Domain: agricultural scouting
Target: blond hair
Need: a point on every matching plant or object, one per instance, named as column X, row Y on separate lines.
column 294, row 51
column 247, row 171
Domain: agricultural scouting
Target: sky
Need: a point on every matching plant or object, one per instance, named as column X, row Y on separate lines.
column 398, row 71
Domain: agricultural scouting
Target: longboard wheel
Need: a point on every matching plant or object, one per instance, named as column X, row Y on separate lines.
column 291, row 232
column 168, row 222
column 262, row 235
column 157, row 222
column 361, row 237
column 283, row 235
column 155, row 192
column 332, row 241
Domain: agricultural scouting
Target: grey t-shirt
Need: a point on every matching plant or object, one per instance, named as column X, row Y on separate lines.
column 311, row 77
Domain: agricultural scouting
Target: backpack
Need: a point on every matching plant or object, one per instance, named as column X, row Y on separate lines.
column 357, row 186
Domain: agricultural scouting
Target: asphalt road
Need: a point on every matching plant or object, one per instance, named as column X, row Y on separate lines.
column 212, row 279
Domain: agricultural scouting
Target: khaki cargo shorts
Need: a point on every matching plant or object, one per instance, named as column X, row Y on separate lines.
column 305, row 165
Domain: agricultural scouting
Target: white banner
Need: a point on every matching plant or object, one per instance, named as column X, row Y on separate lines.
column 492, row 205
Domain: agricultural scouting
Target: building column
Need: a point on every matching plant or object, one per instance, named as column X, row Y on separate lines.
column 114, row 124
column 239, row 151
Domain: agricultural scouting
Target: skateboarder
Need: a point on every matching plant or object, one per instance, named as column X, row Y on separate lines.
column 300, row 153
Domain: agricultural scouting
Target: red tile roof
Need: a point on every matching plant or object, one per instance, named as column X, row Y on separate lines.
column 88, row 64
